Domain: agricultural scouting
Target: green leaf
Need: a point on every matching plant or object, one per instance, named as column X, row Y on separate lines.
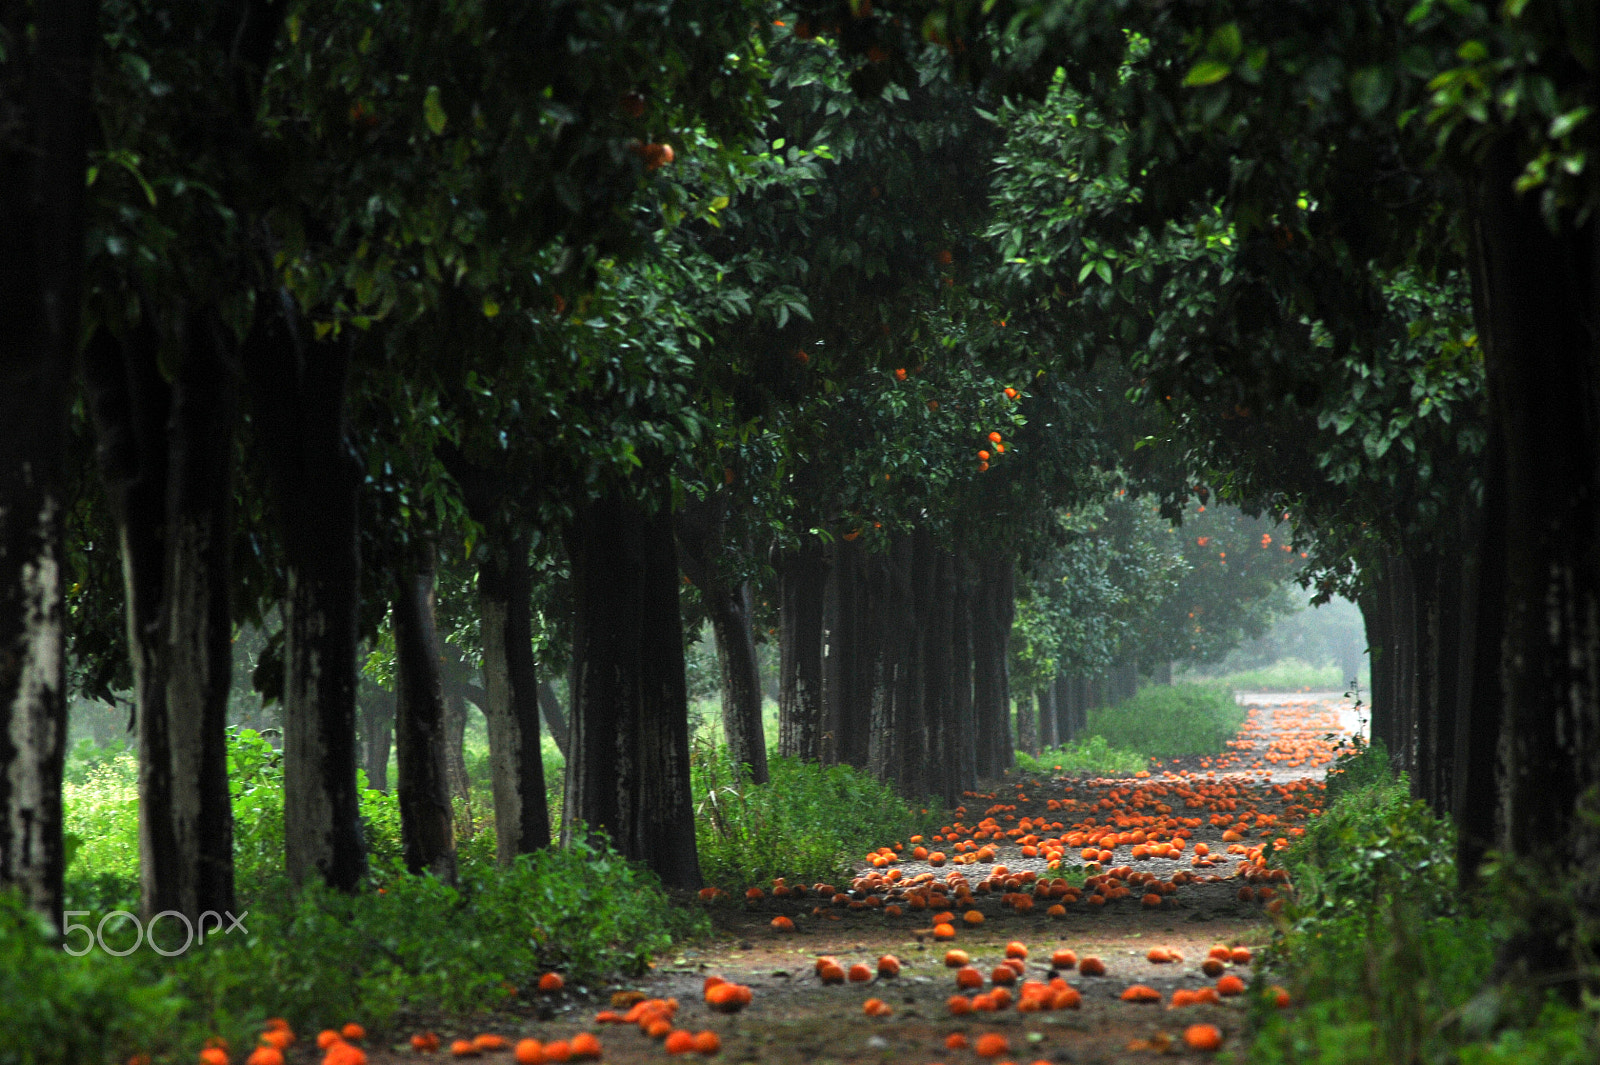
column 490, row 307
column 1103, row 268
column 1206, row 72
column 1370, row 88
column 433, row 111
column 1226, row 42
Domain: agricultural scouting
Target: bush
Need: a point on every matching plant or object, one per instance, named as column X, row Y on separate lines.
column 56, row 1009
column 809, row 822
column 1091, row 757
column 1168, row 721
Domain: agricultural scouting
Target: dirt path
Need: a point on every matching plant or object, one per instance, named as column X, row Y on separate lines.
column 1264, row 786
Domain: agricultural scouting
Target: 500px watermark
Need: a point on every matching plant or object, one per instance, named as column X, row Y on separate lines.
column 96, row 936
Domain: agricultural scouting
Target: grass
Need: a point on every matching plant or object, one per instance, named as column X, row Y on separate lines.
column 1284, row 675
column 1169, row 721
column 808, row 823
column 1089, row 757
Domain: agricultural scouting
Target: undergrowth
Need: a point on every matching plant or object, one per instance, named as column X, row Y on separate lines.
column 808, row 822
column 1167, row 721
column 317, row 957
column 1386, row 961
column 1089, row 757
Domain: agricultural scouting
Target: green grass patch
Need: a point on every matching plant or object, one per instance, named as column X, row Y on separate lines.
column 809, row 822
column 1089, row 757
column 1168, row 721
column 1284, row 675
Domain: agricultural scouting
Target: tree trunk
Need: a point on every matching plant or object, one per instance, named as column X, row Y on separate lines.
column 198, row 622
column 427, row 833
column 516, row 764
column 1049, row 733
column 941, row 772
column 628, row 772
column 1027, row 714
column 42, row 162
column 852, row 643
column 964, row 757
column 166, row 457
column 700, row 541
column 1477, row 742
column 841, row 651
column 1375, row 616
column 1540, row 354
column 802, row 576
column 555, row 718
column 298, row 401
column 991, row 630
column 377, row 735
column 457, row 783
column 891, row 706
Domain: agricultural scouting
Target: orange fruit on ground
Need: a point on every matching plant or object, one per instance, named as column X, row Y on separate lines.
column 1091, row 966
column 680, row 1042
column 264, row 1056
column 1203, row 1037
column 528, row 1052
column 584, row 1046
column 550, row 982
column 992, row 1045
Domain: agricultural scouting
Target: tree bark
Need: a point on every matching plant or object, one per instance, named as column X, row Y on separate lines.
column 628, row 771
column 427, row 828
column 994, row 607
column 965, row 755
column 802, row 576
column 942, row 769
column 166, row 458
column 516, row 763
column 377, row 735
column 1539, row 288
column 700, row 540
column 555, row 718
column 298, row 402
column 42, row 162
column 841, row 651
column 896, row 684
column 1049, row 734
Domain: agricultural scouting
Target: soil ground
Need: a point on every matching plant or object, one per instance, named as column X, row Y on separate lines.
column 795, row 1019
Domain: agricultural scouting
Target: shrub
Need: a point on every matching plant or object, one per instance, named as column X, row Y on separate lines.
column 1089, row 757
column 809, row 822
column 1167, row 721
column 57, row 1009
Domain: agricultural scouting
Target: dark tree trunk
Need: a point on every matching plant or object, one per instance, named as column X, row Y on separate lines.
column 516, row 765
column 1475, row 791
column 166, row 457
column 941, row 771
column 298, row 403
column 1539, row 293
column 700, row 541
column 628, row 771
column 843, row 694
column 892, row 712
column 427, row 833
column 377, row 735
column 42, row 162
column 802, row 577
column 555, row 718
column 1375, row 616
column 1028, row 711
column 964, row 758
column 991, row 631
column 1049, row 722
column 1403, row 632
column 198, row 621
column 457, row 783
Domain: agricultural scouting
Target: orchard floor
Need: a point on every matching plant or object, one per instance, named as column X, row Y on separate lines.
column 794, row 1018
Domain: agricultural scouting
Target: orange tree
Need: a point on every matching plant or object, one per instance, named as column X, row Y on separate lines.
column 316, row 194
column 1441, row 136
